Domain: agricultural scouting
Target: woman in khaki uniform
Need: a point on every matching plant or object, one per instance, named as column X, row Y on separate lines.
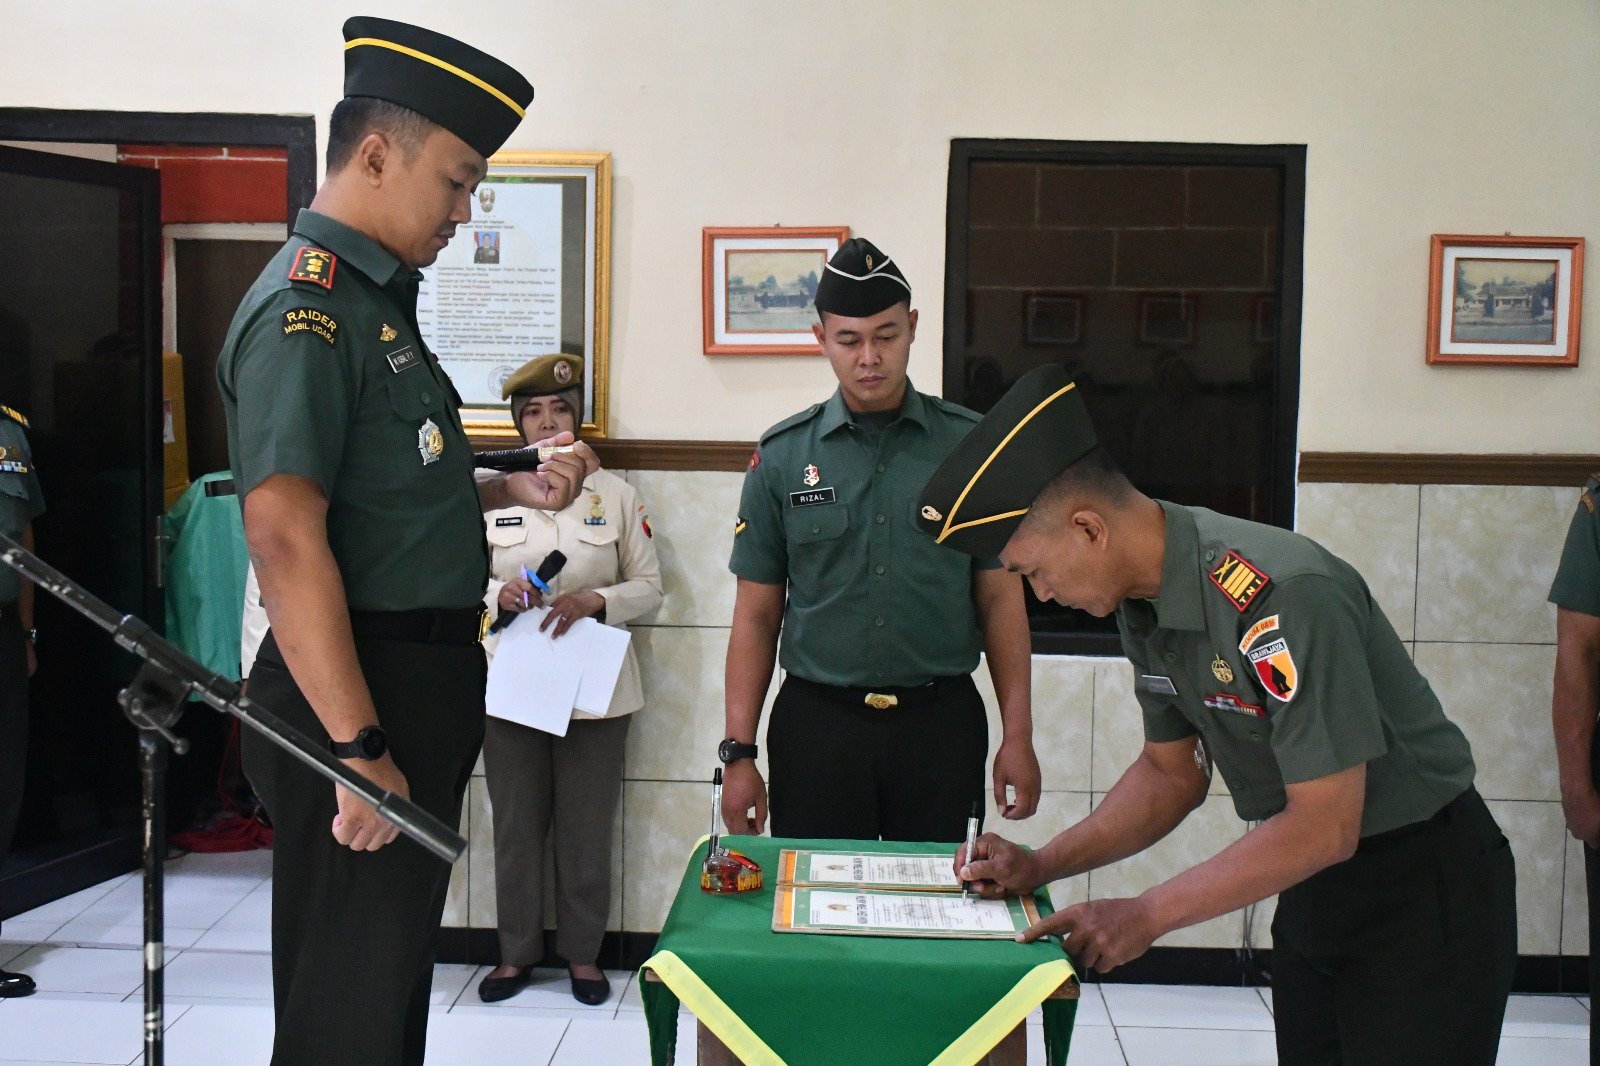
column 538, row 781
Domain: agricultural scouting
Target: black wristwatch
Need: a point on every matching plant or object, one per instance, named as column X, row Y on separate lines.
column 368, row 746
column 731, row 750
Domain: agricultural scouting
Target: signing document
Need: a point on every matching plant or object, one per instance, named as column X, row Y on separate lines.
column 538, row 681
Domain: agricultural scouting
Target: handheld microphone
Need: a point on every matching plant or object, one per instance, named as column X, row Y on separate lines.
column 509, row 460
column 541, row 579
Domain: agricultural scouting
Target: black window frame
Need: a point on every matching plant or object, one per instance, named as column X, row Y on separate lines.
column 1288, row 159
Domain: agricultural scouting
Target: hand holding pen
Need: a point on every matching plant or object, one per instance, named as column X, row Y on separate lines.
column 972, row 842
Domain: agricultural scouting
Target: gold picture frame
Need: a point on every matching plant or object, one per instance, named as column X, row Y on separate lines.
column 529, row 275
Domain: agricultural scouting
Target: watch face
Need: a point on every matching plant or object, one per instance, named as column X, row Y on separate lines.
column 373, row 743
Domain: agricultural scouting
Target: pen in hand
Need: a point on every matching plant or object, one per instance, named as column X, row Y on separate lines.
column 529, row 579
column 972, row 842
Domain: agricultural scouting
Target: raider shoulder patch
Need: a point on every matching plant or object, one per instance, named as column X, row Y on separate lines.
column 1240, row 581
column 310, row 320
column 15, row 416
column 314, row 265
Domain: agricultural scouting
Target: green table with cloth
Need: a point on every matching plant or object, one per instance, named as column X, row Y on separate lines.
column 793, row 999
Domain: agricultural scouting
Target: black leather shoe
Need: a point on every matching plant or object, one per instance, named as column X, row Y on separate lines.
column 591, row 993
column 15, row 984
column 494, row 989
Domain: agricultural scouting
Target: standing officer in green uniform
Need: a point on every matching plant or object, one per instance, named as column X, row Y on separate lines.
column 878, row 730
column 363, row 520
column 1396, row 931
column 1576, row 701
column 20, row 503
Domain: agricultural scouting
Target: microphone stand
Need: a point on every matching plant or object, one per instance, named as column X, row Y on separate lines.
column 153, row 702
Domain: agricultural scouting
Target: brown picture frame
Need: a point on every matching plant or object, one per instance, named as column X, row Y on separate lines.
column 1052, row 319
column 731, row 314
column 1530, row 316
column 1151, row 330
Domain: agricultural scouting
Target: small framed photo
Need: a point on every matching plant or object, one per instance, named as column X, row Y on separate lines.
column 1264, row 318
column 1167, row 318
column 1052, row 319
column 759, row 287
column 1504, row 301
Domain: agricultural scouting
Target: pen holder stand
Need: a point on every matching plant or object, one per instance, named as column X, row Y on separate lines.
column 726, row 873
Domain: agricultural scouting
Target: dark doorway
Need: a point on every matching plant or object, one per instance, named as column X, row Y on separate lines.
column 1166, row 279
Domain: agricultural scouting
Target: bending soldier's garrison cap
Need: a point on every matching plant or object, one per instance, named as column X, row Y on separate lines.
column 470, row 93
column 977, row 497
column 860, row 281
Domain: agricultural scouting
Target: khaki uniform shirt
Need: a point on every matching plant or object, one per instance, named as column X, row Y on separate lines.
column 1273, row 650
column 605, row 535
column 21, row 500
column 324, row 376
column 872, row 600
column 1577, row 583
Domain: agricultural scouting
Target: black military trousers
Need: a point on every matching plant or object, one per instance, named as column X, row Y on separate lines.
column 354, row 934
column 843, row 769
column 1404, row 953
column 13, row 722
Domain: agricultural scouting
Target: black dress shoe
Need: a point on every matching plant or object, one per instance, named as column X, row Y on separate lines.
column 15, row 984
column 591, row 993
column 494, row 989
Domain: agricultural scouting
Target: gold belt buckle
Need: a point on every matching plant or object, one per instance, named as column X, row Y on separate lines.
column 483, row 624
column 878, row 701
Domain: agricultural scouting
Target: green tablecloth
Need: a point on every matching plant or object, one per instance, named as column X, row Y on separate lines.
column 791, row 999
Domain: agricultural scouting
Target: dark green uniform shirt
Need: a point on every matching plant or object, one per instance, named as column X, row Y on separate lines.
column 21, row 500
column 1275, row 652
column 1577, row 583
column 324, row 376
column 830, row 508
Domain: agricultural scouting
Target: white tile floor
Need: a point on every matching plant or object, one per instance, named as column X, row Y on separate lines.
column 83, row 952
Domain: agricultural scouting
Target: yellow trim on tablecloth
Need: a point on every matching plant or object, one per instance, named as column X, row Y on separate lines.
column 714, row 1014
column 1010, row 1011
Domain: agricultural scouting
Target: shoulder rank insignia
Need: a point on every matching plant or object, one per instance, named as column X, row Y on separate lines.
column 739, row 526
column 1586, row 497
column 314, row 265
column 15, row 416
column 1238, row 580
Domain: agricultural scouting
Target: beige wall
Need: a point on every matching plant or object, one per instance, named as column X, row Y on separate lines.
column 1434, row 115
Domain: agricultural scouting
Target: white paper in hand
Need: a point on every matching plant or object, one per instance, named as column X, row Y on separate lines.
column 533, row 680
column 599, row 650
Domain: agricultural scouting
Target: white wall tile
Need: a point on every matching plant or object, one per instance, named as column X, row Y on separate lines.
column 1537, row 832
column 662, row 821
column 675, row 735
column 1374, row 529
column 1574, row 901
column 1499, row 694
column 692, row 514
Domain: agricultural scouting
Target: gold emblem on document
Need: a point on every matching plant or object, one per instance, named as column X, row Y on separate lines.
column 878, row 701
column 1221, row 670
column 387, row 333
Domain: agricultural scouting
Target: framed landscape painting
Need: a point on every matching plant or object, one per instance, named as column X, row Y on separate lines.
column 1505, row 301
column 759, row 287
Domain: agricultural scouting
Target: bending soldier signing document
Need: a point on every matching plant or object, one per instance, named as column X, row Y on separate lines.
column 1395, row 935
column 364, row 524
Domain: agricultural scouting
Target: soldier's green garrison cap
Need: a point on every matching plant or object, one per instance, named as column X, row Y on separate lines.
column 977, row 497
column 470, row 93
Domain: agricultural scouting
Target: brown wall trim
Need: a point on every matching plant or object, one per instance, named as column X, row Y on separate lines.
column 1379, row 468
column 729, row 455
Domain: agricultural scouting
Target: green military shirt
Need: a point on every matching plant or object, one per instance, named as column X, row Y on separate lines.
column 21, row 500
column 324, row 376
column 1577, row 583
column 1273, row 649
column 829, row 508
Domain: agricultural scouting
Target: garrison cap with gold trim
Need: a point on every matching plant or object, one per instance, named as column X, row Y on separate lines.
column 977, row 497
column 470, row 93
column 860, row 281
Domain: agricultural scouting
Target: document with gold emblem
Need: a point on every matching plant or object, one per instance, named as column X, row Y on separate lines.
column 824, row 869
column 930, row 915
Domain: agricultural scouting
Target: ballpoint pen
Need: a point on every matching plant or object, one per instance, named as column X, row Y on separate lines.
column 972, row 841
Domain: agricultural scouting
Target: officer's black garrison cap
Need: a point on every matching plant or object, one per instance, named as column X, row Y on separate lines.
column 470, row 93
column 860, row 281
column 977, row 497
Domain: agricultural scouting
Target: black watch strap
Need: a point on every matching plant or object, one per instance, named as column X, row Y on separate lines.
column 369, row 745
column 731, row 750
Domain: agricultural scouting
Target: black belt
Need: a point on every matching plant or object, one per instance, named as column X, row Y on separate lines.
column 882, row 699
column 1442, row 816
column 458, row 625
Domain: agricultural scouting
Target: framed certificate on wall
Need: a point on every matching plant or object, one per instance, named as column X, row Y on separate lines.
column 528, row 276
